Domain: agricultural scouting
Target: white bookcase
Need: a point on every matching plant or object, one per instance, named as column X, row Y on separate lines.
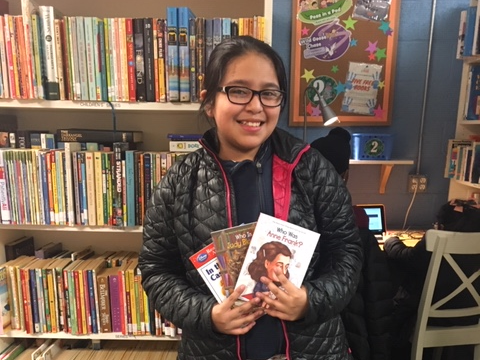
column 464, row 128
column 156, row 120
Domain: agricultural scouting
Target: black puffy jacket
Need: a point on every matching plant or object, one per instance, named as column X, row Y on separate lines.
column 196, row 197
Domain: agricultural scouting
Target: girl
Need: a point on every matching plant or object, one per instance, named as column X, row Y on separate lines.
column 246, row 166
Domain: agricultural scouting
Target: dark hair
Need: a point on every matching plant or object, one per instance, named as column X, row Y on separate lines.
column 268, row 251
column 231, row 49
column 459, row 215
column 335, row 147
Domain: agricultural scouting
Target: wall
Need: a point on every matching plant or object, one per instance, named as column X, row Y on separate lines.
column 439, row 114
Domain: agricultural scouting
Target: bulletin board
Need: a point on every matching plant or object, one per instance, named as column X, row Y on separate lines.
column 344, row 49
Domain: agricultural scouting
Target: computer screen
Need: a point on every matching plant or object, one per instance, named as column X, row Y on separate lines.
column 376, row 216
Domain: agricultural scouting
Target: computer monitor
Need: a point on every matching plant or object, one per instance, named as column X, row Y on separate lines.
column 376, row 216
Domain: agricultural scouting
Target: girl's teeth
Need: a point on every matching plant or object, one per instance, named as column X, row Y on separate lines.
column 250, row 123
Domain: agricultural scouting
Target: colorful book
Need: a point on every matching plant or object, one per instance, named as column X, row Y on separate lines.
column 276, row 244
column 172, row 51
column 231, row 248
column 184, row 61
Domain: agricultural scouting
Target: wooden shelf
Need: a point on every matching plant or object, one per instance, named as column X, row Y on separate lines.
column 469, row 184
column 387, row 166
column 96, row 229
column 97, row 105
column 469, row 122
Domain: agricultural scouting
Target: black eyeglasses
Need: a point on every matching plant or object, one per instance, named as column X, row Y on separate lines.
column 241, row 95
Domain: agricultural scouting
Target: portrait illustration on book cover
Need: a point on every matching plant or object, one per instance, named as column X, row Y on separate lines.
column 276, row 244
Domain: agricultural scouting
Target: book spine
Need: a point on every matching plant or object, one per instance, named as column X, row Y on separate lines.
column 90, row 180
column 52, row 89
column 193, row 59
column 156, row 84
column 105, row 325
column 140, row 87
column 98, row 136
column 161, row 60
column 60, row 60
column 148, row 59
column 89, row 46
column 116, row 312
column 123, row 65
column 97, row 159
column 130, row 186
column 81, row 50
column 132, row 97
column 208, row 39
column 172, row 60
column 10, row 55
column 119, row 155
column 102, row 39
column 200, row 52
column 3, row 60
column 4, row 196
column 97, row 58
column 184, row 53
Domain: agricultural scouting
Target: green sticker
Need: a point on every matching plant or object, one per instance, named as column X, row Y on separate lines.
column 374, row 147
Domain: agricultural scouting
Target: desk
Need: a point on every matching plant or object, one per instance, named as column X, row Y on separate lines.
column 409, row 238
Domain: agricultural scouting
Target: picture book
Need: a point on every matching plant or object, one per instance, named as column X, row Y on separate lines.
column 231, row 247
column 276, row 244
column 205, row 261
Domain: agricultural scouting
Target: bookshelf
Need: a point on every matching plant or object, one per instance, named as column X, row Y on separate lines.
column 156, row 120
column 464, row 129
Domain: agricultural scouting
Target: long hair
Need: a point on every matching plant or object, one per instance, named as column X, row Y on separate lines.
column 268, row 251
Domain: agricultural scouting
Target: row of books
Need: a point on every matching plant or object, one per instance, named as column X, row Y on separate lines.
column 90, row 139
column 60, row 349
column 472, row 98
column 468, row 43
column 463, row 160
column 46, row 55
column 81, row 295
column 71, row 186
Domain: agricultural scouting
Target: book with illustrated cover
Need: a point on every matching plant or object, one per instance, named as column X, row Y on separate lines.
column 276, row 244
column 205, row 261
column 231, row 247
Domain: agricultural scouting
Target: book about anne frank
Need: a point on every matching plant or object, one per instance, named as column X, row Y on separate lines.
column 276, row 244
column 231, row 245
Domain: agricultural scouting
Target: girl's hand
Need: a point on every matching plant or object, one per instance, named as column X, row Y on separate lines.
column 238, row 320
column 290, row 303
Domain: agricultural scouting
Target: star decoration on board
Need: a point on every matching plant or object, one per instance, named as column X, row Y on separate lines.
column 305, row 31
column 353, row 42
column 371, row 56
column 372, row 47
column 381, row 84
column 350, row 23
column 340, row 88
column 307, row 75
column 378, row 112
column 334, row 69
column 380, row 54
column 389, row 32
column 385, row 26
column 316, row 111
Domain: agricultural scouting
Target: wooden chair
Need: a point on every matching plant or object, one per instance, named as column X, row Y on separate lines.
column 443, row 244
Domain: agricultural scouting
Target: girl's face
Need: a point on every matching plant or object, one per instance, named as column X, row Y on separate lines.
column 243, row 128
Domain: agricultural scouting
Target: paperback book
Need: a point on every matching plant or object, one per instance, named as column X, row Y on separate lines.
column 231, row 247
column 276, row 244
column 205, row 261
